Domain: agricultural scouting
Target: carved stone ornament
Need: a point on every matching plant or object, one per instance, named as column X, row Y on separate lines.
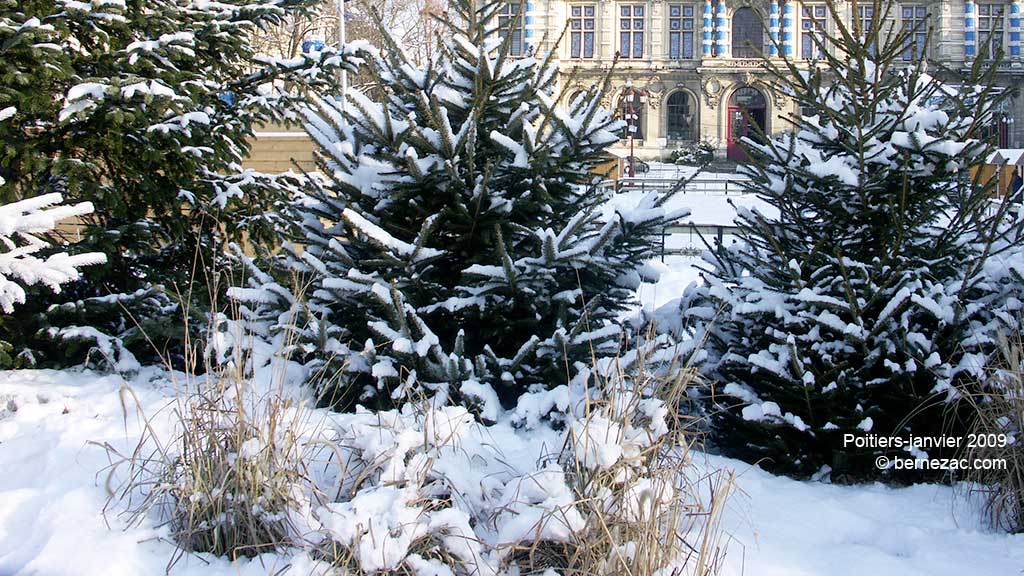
column 712, row 91
column 655, row 91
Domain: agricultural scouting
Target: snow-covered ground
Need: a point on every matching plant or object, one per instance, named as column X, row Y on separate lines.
column 706, row 209
column 52, row 494
column 53, row 474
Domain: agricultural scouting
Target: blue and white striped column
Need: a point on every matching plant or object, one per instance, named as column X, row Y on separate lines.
column 788, row 29
column 970, row 29
column 773, row 28
column 528, row 30
column 1015, row 16
column 721, row 25
column 707, row 29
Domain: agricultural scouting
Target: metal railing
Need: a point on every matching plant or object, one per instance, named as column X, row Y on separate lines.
column 713, row 234
column 698, row 186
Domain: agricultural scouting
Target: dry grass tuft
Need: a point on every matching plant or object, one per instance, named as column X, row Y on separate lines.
column 996, row 437
column 233, row 480
column 651, row 511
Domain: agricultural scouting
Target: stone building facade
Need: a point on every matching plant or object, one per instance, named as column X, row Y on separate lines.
column 687, row 72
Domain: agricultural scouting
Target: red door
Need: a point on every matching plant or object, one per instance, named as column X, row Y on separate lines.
column 744, row 123
column 739, row 128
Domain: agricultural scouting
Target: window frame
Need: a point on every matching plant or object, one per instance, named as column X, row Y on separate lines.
column 680, row 33
column 582, row 14
column 632, row 28
column 690, row 106
column 810, row 26
column 506, row 15
column 917, row 43
column 984, row 34
column 739, row 51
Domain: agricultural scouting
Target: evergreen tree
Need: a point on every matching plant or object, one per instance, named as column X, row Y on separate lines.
column 460, row 245
column 848, row 313
column 142, row 109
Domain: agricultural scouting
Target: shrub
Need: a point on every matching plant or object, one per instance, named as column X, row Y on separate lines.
column 696, row 154
column 618, row 494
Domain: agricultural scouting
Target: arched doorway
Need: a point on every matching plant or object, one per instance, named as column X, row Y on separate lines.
column 680, row 120
column 748, row 118
column 747, row 34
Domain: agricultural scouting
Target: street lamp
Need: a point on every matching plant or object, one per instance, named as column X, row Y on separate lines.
column 632, row 120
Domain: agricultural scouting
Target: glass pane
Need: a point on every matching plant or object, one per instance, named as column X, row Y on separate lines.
column 624, row 44
column 577, row 10
column 624, row 10
column 674, row 10
column 624, row 24
column 575, row 51
column 638, row 44
column 588, row 24
column 588, row 44
column 673, row 46
column 638, row 11
column 638, row 24
column 588, row 10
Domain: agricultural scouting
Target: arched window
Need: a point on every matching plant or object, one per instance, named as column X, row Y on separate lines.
column 631, row 109
column 747, row 34
column 680, row 117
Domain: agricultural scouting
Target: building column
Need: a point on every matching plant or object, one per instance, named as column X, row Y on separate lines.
column 970, row 29
column 788, row 28
column 1015, row 29
column 721, row 26
column 707, row 29
column 773, row 28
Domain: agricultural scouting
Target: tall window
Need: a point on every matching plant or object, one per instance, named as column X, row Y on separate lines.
column 680, row 31
column 631, row 109
column 866, row 23
column 812, row 25
column 915, row 23
column 511, row 26
column 581, row 30
column 631, row 30
column 991, row 20
column 680, row 117
column 747, row 34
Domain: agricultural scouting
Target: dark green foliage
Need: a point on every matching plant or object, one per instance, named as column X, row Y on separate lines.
column 460, row 246
column 855, row 310
column 142, row 108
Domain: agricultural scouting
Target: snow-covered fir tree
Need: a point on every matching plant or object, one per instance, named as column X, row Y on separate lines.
column 142, row 109
column 460, row 245
column 847, row 313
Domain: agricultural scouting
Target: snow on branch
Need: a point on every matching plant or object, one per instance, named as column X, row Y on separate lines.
column 21, row 223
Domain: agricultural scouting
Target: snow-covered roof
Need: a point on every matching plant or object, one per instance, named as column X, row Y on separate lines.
column 1011, row 156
